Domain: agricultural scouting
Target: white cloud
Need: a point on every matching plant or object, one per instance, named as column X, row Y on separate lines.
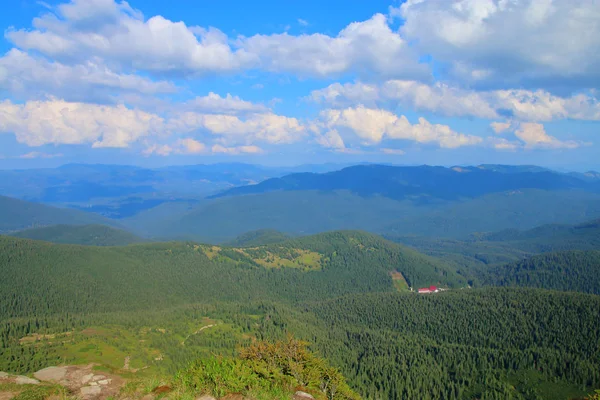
column 213, row 103
column 448, row 100
column 330, row 139
column 111, row 30
column 83, row 29
column 504, row 144
column 505, row 41
column 265, row 127
column 190, row 146
column 235, row 150
column 37, row 154
column 372, row 126
column 534, row 136
column 500, row 127
column 35, row 77
column 302, row 22
column 181, row 146
column 397, row 152
column 158, row 149
column 36, row 123
column 367, row 47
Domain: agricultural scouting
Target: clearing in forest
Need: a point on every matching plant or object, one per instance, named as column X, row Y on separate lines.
column 399, row 281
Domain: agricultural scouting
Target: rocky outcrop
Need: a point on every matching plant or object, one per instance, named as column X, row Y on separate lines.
column 299, row 395
column 17, row 379
column 82, row 380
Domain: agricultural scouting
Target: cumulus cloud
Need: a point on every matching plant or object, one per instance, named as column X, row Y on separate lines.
column 507, row 41
column 181, row 146
column 453, row 101
column 231, row 129
column 112, row 30
column 36, row 123
column 330, row 139
column 534, row 136
column 213, row 103
column 367, row 47
column 504, row 144
column 500, row 127
column 190, row 146
column 372, row 126
column 30, row 77
column 157, row 149
column 82, row 29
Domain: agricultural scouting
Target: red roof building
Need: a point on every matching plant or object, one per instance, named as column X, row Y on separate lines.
column 430, row 289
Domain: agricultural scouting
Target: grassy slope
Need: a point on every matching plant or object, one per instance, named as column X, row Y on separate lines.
column 18, row 214
column 89, row 235
column 40, row 277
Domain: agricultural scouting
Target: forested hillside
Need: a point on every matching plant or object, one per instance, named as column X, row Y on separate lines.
column 555, row 237
column 309, row 211
column 577, row 271
column 258, row 238
column 90, row 235
column 41, row 278
column 18, row 214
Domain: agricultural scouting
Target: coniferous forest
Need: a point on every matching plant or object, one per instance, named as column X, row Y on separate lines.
column 191, row 313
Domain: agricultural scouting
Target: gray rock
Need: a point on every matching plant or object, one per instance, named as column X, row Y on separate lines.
column 299, row 395
column 54, row 374
column 105, row 382
column 86, row 378
column 3, row 375
column 90, row 391
column 23, row 380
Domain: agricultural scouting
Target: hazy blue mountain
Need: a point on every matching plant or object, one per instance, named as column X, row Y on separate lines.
column 18, row 214
column 424, row 182
column 89, row 235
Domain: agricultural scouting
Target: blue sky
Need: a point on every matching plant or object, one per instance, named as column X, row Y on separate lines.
column 440, row 82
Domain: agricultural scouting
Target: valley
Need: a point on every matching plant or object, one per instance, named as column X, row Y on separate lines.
column 176, row 300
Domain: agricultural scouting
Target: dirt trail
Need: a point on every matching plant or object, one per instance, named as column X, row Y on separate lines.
column 197, row 332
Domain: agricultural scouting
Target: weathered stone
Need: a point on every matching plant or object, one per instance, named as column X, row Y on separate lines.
column 86, row 378
column 105, row 382
column 90, row 391
column 93, row 383
column 23, row 380
column 53, row 374
column 97, row 378
column 3, row 375
column 300, row 395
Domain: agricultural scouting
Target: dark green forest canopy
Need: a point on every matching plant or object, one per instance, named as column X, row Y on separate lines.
column 568, row 270
column 42, row 278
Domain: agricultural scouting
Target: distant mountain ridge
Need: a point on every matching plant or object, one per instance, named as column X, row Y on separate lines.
column 423, row 181
column 89, row 235
column 18, row 214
